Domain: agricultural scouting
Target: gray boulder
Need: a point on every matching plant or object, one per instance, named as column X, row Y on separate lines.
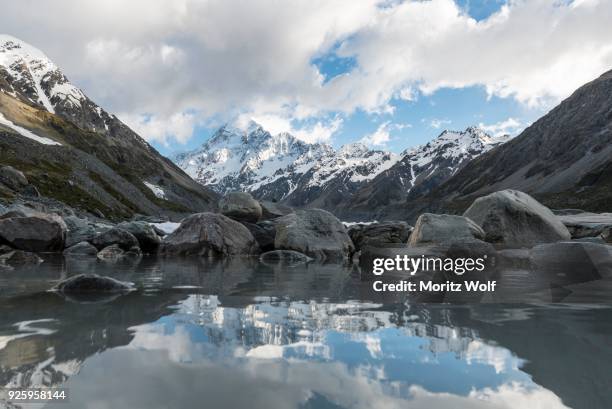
column 39, row 233
column 436, row 229
column 272, row 210
column 284, row 257
column 92, row 283
column 209, row 235
column 146, row 235
column 78, row 230
column 572, row 262
column 82, row 248
column 13, row 178
column 379, row 233
column 314, row 232
column 240, row 206
column 124, row 239
column 514, row 219
column 19, row 258
column 264, row 232
column 606, row 235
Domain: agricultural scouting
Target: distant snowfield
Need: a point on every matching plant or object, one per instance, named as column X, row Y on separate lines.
column 27, row 133
column 167, row 227
column 157, row 191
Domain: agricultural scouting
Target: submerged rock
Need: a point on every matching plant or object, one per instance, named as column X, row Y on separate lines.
column 572, row 262
column 240, row 206
column 39, row 233
column 147, row 237
column 514, row 219
column 284, row 256
column 111, row 253
column 272, row 210
column 19, row 258
column 437, row 229
column 379, row 233
column 209, row 235
column 115, row 253
column 314, row 232
column 92, row 283
column 122, row 238
column 82, row 248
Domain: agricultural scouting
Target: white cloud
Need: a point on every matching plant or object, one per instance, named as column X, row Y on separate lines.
column 510, row 126
column 438, row 123
column 320, row 131
column 178, row 126
column 223, row 58
column 380, row 137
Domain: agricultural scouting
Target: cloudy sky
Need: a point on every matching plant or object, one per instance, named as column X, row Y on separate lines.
column 387, row 72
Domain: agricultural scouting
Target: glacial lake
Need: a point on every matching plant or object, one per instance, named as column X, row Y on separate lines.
column 242, row 334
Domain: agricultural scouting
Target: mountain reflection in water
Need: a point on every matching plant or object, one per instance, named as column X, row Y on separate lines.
column 219, row 336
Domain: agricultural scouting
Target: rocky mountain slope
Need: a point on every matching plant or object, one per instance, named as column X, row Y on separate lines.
column 281, row 167
column 75, row 152
column 564, row 160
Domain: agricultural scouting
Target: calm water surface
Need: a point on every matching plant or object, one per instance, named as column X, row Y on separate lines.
column 240, row 334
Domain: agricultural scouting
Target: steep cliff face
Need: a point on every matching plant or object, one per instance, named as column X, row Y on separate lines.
column 76, row 152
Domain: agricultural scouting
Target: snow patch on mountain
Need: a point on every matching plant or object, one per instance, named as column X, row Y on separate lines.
column 157, row 191
column 26, row 132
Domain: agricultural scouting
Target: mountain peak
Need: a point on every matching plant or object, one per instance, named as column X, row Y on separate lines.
column 34, row 78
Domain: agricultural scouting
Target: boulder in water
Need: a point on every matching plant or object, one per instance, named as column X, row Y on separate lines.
column 514, row 219
column 209, row 235
column 38, row 233
column 147, row 237
column 314, row 232
column 124, row 239
column 19, row 258
column 441, row 229
column 82, row 248
column 379, row 233
column 92, row 283
column 284, row 257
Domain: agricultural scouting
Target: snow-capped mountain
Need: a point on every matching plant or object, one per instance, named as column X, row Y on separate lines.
column 280, row 167
column 27, row 74
column 74, row 151
column 419, row 170
column 243, row 159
